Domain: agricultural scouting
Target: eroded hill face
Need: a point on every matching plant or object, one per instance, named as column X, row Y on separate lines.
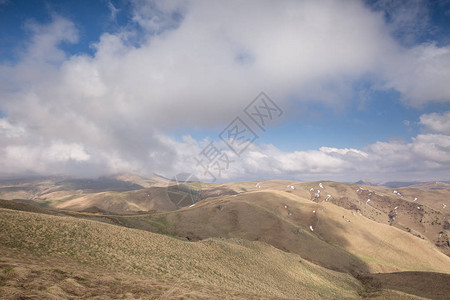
column 422, row 210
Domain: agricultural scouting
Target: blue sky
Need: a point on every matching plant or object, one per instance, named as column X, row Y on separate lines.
column 92, row 18
column 94, row 87
column 381, row 117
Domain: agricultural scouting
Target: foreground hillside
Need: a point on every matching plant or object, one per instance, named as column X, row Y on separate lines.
column 232, row 266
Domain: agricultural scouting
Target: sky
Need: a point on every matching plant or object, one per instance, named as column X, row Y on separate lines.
column 226, row 90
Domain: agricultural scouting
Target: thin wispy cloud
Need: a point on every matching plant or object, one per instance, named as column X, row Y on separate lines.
column 113, row 9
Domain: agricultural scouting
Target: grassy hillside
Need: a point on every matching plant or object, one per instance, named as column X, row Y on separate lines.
column 16, row 205
column 122, row 202
column 421, row 210
column 341, row 239
column 236, row 265
column 26, row 276
column 343, row 227
column 117, row 194
column 423, row 284
column 46, row 256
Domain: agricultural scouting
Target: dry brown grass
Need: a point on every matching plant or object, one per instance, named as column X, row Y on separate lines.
column 341, row 239
column 24, row 276
column 154, row 198
column 349, row 235
column 424, row 284
column 427, row 223
column 237, row 265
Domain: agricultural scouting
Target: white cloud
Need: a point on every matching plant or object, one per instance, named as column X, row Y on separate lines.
column 427, row 157
column 421, row 74
column 46, row 39
column 344, row 151
column 9, row 130
column 32, row 159
column 434, row 148
column 197, row 65
column 159, row 15
column 436, row 122
column 63, row 152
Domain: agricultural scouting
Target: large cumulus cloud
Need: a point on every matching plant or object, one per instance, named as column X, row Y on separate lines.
column 193, row 65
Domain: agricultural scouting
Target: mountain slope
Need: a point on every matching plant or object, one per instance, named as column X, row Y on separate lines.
column 338, row 239
column 122, row 202
column 239, row 265
column 422, row 211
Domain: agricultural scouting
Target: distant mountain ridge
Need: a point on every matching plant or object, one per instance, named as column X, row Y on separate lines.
column 396, row 184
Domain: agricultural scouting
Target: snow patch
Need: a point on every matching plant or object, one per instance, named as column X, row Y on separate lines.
column 317, row 194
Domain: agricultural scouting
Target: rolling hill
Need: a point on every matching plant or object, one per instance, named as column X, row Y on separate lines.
column 363, row 233
column 323, row 233
column 231, row 266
